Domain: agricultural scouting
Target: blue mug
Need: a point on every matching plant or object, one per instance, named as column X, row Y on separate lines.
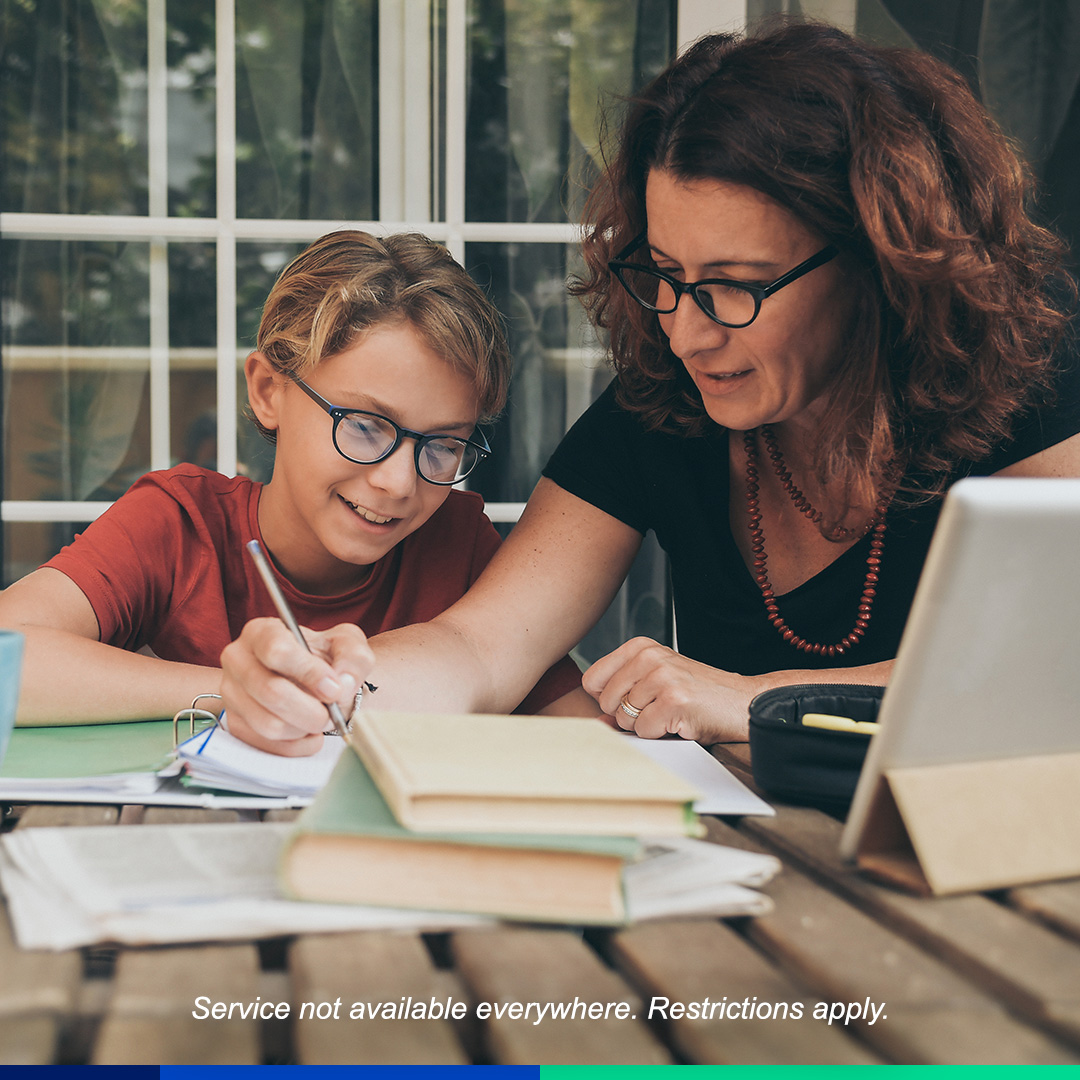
column 11, row 651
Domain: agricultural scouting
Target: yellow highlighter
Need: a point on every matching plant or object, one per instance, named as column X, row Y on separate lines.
column 838, row 723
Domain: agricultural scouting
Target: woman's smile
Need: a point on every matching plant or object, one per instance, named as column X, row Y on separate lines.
column 720, row 382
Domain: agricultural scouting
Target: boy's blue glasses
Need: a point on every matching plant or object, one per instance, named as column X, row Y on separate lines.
column 367, row 437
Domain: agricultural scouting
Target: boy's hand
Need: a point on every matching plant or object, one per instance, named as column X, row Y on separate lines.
column 275, row 693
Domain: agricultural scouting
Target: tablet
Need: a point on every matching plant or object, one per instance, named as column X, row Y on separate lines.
column 989, row 662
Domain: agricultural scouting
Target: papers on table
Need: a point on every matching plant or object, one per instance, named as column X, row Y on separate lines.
column 144, row 789
column 682, row 877
column 84, row 763
column 721, row 791
column 120, row 787
column 154, row 884
column 108, row 763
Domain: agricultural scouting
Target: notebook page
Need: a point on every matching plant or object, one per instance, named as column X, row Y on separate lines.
column 215, row 758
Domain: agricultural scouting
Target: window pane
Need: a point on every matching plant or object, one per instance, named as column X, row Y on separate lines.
column 258, row 266
column 558, row 367
column 28, row 544
column 192, row 354
column 191, row 100
column 76, row 364
column 306, row 132
column 74, row 101
column 559, row 370
column 537, row 73
column 75, row 107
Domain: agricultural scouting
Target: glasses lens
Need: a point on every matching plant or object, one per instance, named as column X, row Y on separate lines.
column 648, row 290
column 726, row 303
column 363, row 437
column 445, row 460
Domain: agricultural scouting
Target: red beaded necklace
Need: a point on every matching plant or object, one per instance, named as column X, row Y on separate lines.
column 757, row 546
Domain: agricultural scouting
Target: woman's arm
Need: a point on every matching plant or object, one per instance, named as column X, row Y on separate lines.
column 676, row 695
column 68, row 676
column 547, row 585
column 550, row 582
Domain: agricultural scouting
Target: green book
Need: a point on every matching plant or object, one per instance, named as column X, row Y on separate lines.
column 347, row 847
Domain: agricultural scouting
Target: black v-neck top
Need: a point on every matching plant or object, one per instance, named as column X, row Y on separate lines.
column 680, row 488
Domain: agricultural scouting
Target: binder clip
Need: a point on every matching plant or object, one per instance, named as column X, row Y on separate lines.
column 191, row 714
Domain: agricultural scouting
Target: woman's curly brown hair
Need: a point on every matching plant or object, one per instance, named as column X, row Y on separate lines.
column 887, row 154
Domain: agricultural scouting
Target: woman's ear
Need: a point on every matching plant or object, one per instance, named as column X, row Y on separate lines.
column 264, row 386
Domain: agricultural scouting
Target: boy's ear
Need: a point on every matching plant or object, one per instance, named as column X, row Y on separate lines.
column 264, row 385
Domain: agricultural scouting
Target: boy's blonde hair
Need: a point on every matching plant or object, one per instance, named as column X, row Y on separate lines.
column 348, row 282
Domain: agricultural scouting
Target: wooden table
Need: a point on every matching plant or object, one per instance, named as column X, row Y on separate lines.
column 973, row 979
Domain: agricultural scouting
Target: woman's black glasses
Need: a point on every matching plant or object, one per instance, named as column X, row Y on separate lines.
column 729, row 303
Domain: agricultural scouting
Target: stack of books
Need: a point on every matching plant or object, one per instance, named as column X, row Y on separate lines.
column 548, row 819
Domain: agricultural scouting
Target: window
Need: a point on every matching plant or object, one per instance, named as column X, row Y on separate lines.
column 163, row 160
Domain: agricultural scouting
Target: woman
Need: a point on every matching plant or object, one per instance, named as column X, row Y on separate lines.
column 826, row 303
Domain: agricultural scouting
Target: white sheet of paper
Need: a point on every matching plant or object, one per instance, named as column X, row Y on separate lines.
column 143, row 789
column 722, row 792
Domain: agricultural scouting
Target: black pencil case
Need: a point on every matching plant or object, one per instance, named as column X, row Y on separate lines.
column 807, row 765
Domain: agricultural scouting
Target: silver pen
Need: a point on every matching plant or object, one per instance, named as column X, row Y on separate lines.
column 262, row 564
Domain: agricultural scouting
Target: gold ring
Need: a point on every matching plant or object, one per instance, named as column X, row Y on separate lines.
column 629, row 709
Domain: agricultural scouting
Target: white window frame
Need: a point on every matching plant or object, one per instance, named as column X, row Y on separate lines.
column 406, row 184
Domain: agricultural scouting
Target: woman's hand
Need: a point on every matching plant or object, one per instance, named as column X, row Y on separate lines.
column 275, row 692
column 672, row 694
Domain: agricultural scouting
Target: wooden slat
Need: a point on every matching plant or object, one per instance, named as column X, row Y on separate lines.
column 37, row 990
column 693, row 971
column 1057, row 903
column 28, row 1040
column 706, row 962
column 718, row 957
column 67, row 814
column 1034, row 971
column 736, row 755
column 511, row 964
column 186, row 815
column 150, row 1020
column 720, row 832
column 34, row 980
column 369, row 967
column 931, row 1015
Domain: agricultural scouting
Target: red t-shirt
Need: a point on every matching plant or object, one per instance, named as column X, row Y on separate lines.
column 165, row 567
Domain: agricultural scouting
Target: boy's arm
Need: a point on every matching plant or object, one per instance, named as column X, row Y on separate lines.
column 69, row 676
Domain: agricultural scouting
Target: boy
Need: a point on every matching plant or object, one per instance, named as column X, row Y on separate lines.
column 375, row 361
